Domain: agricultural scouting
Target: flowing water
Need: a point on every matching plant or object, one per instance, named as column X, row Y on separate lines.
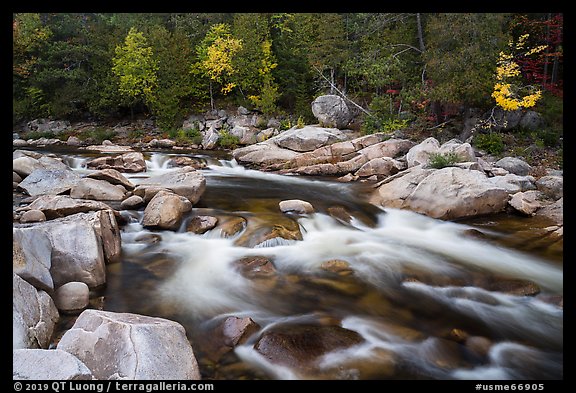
column 414, row 288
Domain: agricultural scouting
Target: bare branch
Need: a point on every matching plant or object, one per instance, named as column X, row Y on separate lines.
column 340, row 92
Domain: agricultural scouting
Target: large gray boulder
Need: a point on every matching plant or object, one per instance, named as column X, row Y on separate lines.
column 263, row 154
column 514, row 165
column 24, row 164
column 99, row 190
column 446, row 193
column 186, row 181
column 130, row 346
column 112, row 176
column 165, row 210
column 381, row 166
column 47, row 364
column 308, row 138
column 513, row 183
column 31, row 256
column 127, row 162
column 55, row 206
column 49, row 181
column 331, row 111
column 420, row 154
column 551, row 186
column 77, row 249
column 34, row 315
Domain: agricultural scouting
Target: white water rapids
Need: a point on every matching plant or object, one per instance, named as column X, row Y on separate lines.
column 207, row 284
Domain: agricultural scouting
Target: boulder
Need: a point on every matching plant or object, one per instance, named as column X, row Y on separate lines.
column 525, row 202
column 55, row 206
column 464, row 151
column 308, row 138
column 72, row 297
column 127, row 162
column 34, row 315
column 49, row 181
column 165, row 210
column 47, row 364
column 513, row 183
column 19, row 143
column 73, row 141
column 161, row 143
column 232, row 226
column 446, row 193
column 331, row 111
column 201, row 224
column 210, row 137
column 112, row 176
column 254, row 267
column 236, row 330
column 131, row 346
column 80, row 245
column 531, row 121
column 420, row 154
column 551, row 186
column 296, row 206
column 25, row 165
column 99, row 190
column 31, row 256
column 263, row 154
column 32, row 216
column 382, row 166
column 514, row 165
column 109, row 147
column 554, row 212
column 16, row 177
column 301, row 346
column 132, row 202
column 185, row 181
column 389, row 148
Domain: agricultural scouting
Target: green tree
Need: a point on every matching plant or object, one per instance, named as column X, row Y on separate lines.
column 29, row 37
column 255, row 61
column 136, row 68
column 462, row 50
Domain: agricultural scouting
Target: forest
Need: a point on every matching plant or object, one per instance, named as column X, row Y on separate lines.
column 394, row 69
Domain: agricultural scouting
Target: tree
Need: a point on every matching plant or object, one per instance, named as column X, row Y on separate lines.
column 255, row 61
column 461, row 52
column 215, row 55
column 135, row 67
column 29, row 36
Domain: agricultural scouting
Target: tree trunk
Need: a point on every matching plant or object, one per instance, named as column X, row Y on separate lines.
column 545, row 77
column 420, row 34
column 211, row 97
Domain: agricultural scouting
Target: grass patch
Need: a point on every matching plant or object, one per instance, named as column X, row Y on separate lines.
column 442, row 160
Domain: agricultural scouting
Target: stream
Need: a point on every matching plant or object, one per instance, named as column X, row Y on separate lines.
column 419, row 291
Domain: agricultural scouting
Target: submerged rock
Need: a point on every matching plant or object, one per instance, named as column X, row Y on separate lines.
column 301, row 346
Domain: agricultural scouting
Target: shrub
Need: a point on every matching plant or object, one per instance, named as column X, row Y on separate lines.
column 492, row 143
column 227, row 140
column 189, row 136
column 442, row 160
column 99, row 134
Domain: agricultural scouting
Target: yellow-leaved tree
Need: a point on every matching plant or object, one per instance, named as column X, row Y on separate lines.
column 509, row 92
column 215, row 54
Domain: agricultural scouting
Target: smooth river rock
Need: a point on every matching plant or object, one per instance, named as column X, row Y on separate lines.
column 131, row 346
column 34, row 315
column 47, row 364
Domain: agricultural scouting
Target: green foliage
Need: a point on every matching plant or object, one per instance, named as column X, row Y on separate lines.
column 136, row 134
column 492, row 143
column 135, row 67
column 442, row 160
column 462, row 50
column 98, row 135
column 300, row 123
column 190, row 136
column 227, row 140
column 382, row 119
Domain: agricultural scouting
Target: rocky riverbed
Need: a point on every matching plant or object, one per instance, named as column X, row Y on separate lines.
column 314, row 254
